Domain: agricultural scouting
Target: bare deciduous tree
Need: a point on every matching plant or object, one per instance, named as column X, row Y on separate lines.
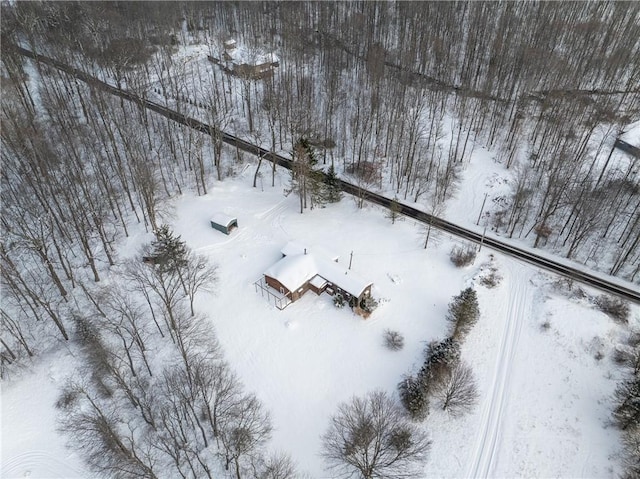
column 275, row 466
column 371, row 438
column 456, row 391
column 244, row 430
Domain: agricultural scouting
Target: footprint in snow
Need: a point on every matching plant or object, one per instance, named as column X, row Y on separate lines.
column 394, row 278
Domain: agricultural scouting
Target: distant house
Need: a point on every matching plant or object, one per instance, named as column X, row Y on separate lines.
column 244, row 63
column 224, row 223
column 301, row 270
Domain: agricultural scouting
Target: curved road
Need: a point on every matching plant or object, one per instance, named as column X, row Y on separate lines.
column 493, row 243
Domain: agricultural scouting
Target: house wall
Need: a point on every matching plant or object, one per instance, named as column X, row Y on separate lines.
column 366, row 292
column 278, row 286
column 318, row 291
column 330, row 288
column 300, row 291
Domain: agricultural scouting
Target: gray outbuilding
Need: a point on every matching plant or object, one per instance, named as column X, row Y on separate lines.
column 224, row 223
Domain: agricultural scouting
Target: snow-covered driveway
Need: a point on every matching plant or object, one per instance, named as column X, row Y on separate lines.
column 510, row 316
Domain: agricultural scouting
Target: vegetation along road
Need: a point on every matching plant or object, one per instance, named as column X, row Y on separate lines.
column 502, row 246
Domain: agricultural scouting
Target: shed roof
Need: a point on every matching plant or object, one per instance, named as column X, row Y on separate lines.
column 223, row 219
column 293, row 271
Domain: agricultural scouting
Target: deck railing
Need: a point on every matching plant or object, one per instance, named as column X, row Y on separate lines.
column 280, row 300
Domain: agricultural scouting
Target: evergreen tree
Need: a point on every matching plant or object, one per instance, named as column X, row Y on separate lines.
column 394, row 210
column 440, row 358
column 169, row 251
column 309, row 151
column 446, row 351
column 627, row 412
column 414, row 398
column 333, row 192
column 304, row 179
column 463, row 312
column 317, row 189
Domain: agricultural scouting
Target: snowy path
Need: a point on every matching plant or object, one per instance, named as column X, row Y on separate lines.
column 489, row 438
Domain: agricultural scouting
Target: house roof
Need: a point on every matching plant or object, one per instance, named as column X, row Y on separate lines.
column 241, row 55
column 292, row 248
column 293, row 271
column 223, row 220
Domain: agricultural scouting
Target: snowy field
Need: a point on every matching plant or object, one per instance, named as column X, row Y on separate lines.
column 543, row 361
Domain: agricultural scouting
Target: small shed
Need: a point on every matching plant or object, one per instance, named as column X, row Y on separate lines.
column 224, row 223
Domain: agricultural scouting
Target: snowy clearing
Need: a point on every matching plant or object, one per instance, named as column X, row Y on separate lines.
column 543, row 408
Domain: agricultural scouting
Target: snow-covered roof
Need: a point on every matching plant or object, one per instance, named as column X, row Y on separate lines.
column 241, row 55
column 318, row 281
column 223, row 219
column 632, row 134
column 293, row 247
column 293, row 271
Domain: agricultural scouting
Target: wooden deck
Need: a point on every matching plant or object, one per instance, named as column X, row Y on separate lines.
column 279, row 300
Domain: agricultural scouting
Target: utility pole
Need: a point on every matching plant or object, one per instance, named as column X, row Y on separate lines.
column 350, row 259
column 482, row 239
column 426, row 241
column 482, row 208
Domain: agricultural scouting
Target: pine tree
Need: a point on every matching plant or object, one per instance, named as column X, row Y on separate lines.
column 304, row 179
column 463, row 312
column 446, row 351
column 169, row 251
column 440, row 358
column 333, row 192
column 310, row 152
column 394, row 210
column 317, row 189
column 627, row 412
column 414, row 398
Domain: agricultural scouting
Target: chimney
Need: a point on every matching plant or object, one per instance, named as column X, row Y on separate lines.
column 305, row 251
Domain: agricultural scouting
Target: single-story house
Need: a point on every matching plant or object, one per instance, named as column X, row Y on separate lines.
column 239, row 61
column 224, row 223
column 300, row 271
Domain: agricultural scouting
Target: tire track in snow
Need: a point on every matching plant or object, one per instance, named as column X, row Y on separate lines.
column 489, row 438
column 40, row 462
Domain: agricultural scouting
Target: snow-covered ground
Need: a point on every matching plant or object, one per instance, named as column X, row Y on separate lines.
column 543, row 408
column 30, row 445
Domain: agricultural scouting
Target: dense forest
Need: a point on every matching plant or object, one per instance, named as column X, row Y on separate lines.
column 394, row 95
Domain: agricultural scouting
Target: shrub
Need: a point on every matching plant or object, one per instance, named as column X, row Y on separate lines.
column 462, row 256
column 615, row 308
column 492, row 279
column 338, row 301
column 368, row 304
column 621, row 356
column 393, row 340
column 67, row 398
